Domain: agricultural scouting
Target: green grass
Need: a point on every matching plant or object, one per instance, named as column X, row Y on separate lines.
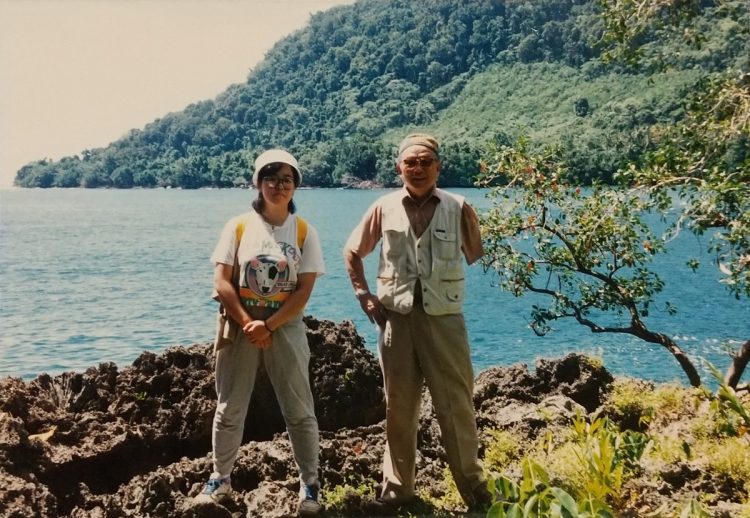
column 538, row 100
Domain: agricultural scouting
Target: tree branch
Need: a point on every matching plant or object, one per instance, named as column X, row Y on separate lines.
column 739, row 362
column 637, row 329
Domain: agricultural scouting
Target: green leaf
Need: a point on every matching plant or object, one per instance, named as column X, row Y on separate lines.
column 507, row 489
column 568, row 507
column 514, row 511
column 497, row 510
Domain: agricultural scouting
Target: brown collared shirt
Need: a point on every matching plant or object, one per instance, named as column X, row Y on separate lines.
column 365, row 237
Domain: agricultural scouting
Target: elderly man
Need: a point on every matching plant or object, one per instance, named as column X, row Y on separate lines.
column 425, row 234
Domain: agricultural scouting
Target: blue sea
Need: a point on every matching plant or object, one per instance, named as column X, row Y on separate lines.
column 90, row 276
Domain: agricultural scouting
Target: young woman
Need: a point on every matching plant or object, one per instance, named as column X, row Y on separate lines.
column 279, row 257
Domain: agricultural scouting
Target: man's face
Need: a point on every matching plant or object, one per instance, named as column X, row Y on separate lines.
column 419, row 169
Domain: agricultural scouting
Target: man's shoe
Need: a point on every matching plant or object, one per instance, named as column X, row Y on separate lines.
column 393, row 498
column 483, row 499
column 308, row 500
column 215, row 490
column 389, row 503
column 380, row 507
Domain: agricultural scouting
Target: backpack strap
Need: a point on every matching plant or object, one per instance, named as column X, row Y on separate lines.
column 301, row 233
column 239, row 230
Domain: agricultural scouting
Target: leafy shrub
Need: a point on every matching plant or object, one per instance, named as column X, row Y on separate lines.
column 636, row 403
column 729, row 413
column 335, row 496
column 503, row 448
column 535, row 497
column 730, row 459
column 585, row 473
column 451, row 498
column 670, row 449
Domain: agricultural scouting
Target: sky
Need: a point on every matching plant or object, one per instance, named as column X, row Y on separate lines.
column 79, row 74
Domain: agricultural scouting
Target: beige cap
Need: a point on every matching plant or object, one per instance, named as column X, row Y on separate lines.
column 273, row 156
column 419, row 139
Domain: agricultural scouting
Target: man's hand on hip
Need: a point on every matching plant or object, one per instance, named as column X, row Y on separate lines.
column 374, row 310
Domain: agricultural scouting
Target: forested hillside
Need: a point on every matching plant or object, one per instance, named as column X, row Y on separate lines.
column 341, row 92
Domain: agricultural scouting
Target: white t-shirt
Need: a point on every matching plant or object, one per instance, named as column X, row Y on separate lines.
column 269, row 258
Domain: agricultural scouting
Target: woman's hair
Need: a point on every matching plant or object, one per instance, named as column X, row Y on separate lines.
column 271, row 170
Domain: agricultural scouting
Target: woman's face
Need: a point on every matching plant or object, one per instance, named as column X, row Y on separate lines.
column 278, row 188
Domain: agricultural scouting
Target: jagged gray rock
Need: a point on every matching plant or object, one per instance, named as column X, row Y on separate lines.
column 136, row 442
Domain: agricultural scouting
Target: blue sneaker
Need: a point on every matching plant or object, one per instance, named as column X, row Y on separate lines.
column 215, row 490
column 308, row 500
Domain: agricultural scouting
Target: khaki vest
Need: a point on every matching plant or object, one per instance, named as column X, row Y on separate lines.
column 435, row 258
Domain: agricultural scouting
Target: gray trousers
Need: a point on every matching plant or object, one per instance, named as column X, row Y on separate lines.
column 415, row 349
column 286, row 362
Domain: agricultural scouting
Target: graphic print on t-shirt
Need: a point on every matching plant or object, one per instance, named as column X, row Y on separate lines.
column 265, row 280
column 265, row 276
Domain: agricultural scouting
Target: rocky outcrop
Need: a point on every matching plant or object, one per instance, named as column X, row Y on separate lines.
column 513, row 397
column 136, row 441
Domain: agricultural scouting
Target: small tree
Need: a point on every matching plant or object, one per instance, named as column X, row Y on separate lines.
column 588, row 254
column 705, row 159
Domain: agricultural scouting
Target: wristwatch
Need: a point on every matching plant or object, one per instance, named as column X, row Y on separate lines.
column 359, row 292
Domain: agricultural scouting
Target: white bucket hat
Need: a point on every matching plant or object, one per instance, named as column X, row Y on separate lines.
column 272, row 156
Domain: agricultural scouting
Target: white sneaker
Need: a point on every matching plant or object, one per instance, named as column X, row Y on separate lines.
column 215, row 490
column 308, row 500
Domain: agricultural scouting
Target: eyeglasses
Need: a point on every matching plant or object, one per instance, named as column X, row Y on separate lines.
column 423, row 161
column 275, row 181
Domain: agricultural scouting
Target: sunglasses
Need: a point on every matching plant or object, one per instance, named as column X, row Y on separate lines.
column 423, row 161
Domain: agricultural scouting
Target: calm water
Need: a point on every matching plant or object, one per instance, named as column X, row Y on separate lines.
column 88, row 276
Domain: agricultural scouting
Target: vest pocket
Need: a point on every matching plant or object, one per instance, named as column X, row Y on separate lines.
column 394, row 242
column 453, row 289
column 394, row 254
column 444, row 244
